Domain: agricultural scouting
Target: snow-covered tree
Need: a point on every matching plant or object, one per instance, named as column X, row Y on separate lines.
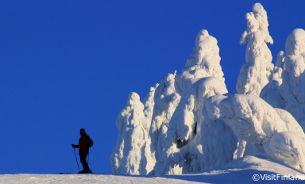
column 293, row 88
column 166, row 100
column 194, row 142
column 149, row 103
column 272, row 91
column 254, row 75
column 190, row 141
column 273, row 133
column 204, row 61
column 190, row 123
column 131, row 154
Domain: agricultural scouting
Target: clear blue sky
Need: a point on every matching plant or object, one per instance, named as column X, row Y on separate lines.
column 66, row 65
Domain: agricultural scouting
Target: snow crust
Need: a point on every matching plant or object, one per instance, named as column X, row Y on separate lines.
column 190, row 123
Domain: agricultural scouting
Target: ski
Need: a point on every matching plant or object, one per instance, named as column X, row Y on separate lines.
column 76, row 173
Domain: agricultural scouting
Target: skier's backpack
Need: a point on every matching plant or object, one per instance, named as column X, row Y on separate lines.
column 90, row 142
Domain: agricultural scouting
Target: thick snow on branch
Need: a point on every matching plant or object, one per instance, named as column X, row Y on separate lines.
column 254, row 75
column 272, row 132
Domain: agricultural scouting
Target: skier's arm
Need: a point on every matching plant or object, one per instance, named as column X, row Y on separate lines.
column 75, row 146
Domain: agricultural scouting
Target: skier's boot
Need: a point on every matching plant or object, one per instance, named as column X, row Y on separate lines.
column 85, row 171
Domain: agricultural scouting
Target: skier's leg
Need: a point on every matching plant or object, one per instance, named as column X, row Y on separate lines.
column 83, row 157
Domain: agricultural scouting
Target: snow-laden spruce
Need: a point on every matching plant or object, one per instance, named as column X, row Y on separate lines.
column 131, row 153
column 254, row 75
column 272, row 132
column 166, row 100
column 180, row 127
column 286, row 87
column 204, row 61
column 271, row 93
column 194, row 142
column 184, row 141
column 188, row 122
column 293, row 88
column 149, row 104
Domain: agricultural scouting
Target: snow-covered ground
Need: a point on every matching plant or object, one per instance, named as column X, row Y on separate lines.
column 248, row 169
column 84, row 178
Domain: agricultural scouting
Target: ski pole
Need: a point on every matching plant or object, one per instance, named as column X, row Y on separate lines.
column 76, row 159
column 88, row 159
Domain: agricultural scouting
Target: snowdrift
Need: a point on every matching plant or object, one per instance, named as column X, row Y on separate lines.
column 189, row 123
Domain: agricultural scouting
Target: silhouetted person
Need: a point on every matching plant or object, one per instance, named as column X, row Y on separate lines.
column 84, row 144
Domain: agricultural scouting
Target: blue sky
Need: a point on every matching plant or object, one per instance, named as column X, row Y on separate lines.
column 66, row 65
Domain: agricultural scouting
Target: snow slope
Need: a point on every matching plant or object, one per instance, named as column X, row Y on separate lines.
column 239, row 171
column 92, row 178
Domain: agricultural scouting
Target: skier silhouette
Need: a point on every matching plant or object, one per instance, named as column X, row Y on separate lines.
column 84, row 144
